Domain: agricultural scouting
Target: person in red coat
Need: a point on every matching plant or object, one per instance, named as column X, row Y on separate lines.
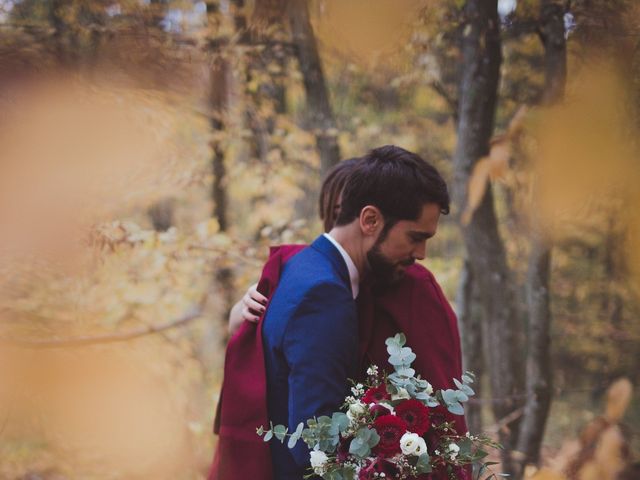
column 414, row 305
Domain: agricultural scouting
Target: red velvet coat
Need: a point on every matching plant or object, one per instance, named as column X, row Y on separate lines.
column 416, row 306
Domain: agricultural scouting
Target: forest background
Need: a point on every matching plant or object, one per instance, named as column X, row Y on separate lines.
column 152, row 150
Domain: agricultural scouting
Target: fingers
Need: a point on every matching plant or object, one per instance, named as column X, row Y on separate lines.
column 248, row 316
column 253, row 305
column 256, row 295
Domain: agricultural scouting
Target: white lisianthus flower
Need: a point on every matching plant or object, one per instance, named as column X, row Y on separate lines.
column 319, row 461
column 356, row 410
column 401, row 395
column 422, row 447
column 413, row 444
column 409, row 443
column 429, row 389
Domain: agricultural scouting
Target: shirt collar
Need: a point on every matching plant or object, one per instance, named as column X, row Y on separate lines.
column 354, row 276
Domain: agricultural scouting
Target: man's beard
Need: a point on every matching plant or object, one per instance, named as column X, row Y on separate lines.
column 384, row 273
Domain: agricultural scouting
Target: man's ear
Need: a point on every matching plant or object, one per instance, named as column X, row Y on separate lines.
column 371, row 221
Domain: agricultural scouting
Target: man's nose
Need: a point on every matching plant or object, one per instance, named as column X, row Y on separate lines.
column 420, row 252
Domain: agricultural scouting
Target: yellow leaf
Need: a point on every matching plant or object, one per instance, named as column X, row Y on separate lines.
column 618, row 398
column 495, row 166
column 546, row 474
column 476, row 188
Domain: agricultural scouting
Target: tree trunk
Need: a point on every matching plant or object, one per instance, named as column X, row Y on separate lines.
column 161, row 212
column 268, row 26
column 481, row 58
column 321, row 118
column 268, row 67
column 64, row 39
column 219, row 102
column 470, row 324
column 539, row 375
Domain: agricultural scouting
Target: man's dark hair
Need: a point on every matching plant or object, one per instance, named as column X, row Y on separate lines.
column 397, row 182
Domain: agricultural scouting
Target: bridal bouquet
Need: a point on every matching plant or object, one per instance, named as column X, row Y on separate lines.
column 391, row 427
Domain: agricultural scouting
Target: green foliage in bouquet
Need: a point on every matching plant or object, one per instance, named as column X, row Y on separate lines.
column 386, row 423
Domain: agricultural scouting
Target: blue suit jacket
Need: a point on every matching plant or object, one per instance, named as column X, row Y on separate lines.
column 310, row 337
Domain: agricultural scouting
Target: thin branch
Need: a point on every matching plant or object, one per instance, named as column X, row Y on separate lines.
column 452, row 102
column 518, row 28
column 192, row 314
column 229, row 253
column 505, row 421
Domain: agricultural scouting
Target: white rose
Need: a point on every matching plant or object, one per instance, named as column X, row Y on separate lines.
column 413, row 444
column 319, row 460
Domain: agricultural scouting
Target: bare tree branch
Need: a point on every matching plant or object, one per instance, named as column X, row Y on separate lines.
column 192, row 314
column 452, row 102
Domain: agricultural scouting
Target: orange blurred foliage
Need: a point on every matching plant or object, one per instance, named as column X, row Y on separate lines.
column 355, row 30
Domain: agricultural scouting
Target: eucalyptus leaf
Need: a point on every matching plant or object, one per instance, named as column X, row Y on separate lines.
column 468, row 390
column 424, row 465
column 396, row 360
column 393, row 349
column 449, row 396
column 455, row 408
column 461, row 396
column 280, row 431
column 333, row 475
column 406, row 372
column 341, row 420
column 293, row 439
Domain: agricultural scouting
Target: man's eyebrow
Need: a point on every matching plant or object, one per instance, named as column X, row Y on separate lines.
column 421, row 235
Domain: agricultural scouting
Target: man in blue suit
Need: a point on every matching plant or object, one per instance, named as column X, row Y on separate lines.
column 389, row 208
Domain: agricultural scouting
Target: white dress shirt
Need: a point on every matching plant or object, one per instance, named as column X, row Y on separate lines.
column 354, row 276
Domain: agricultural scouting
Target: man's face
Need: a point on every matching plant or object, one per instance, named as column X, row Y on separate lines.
column 403, row 244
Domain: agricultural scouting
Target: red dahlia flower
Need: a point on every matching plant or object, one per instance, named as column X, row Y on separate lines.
column 390, row 428
column 415, row 415
column 376, row 394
